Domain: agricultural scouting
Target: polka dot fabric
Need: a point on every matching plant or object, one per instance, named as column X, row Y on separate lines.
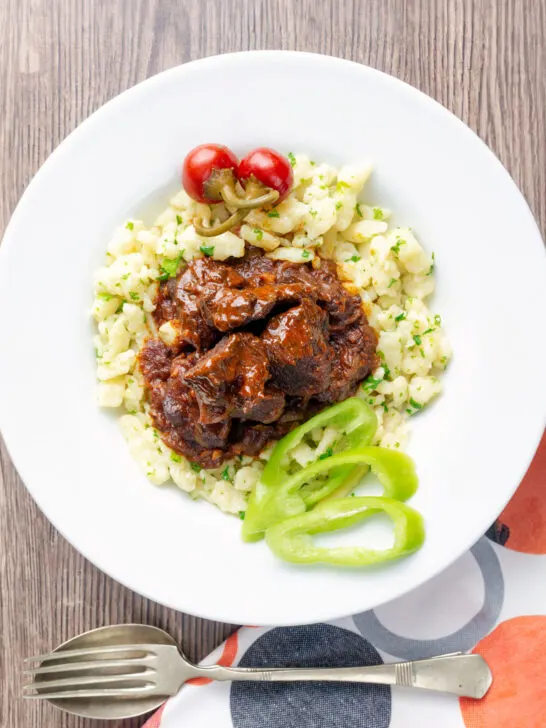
column 492, row 601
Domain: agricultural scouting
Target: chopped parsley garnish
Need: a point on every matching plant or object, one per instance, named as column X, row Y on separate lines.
column 339, row 205
column 242, row 515
column 105, row 296
column 417, row 339
column 130, row 225
column 195, row 467
column 178, row 220
column 415, row 404
column 258, row 233
column 327, row 454
column 385, row 408
column 431, row 266
column 400, row 317
column 207, row 250
column 391, row 282
column 312, row 163
column 438, row 320
column 305, row 254
column 134, row 296
column 428, row 331
column 125, row 276
column 384, row 364
column 120, row 307
column 377, row 213
column 169, row 267
column 370, row 384
column 396, row 247
column 273, row 213
column 306, row 180
column 353, row 259
column 291, row 159
column 176, row 458
column 341, row 185
column 312, row 212
column 358, row 210
column 226, row 475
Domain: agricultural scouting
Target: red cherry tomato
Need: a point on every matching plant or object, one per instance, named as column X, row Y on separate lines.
column 200, row 171
column 268, row 167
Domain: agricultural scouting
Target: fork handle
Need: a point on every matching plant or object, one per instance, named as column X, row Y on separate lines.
column 459, row 674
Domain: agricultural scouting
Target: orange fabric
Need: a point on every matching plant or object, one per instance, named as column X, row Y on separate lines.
column 227, row 659
column 516, row 653
column 525, row 515
column 155, row 720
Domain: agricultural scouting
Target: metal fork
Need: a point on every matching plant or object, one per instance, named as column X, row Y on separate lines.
column 145, row 670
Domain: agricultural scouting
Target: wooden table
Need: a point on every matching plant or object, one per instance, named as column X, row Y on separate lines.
column 62, row 59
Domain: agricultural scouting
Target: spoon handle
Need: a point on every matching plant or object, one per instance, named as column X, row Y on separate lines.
column 459, row 674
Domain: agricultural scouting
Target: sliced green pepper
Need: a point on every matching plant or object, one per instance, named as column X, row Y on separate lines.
column 395, row 471
column 291, row 539
column 357, row 424
column 353, row 417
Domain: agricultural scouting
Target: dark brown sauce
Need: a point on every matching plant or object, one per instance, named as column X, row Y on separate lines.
column 261, row 346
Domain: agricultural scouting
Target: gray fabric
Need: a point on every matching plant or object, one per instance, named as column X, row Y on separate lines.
column 463, row 639
column 310, row 705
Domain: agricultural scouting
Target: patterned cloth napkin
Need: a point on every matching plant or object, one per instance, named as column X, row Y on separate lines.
column 491, row 601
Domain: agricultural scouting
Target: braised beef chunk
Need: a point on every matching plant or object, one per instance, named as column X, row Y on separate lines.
column 297, row 346
column 175, row 414
column 180, row 300
column 194, row 331
column 230, row 381
column 256, row 269
column 229, row 309
column 206, row 273
column 154, row 360
column 325, row 287
column 263, row 345
column 354, row 359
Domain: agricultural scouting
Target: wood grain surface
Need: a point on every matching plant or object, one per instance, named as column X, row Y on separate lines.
column 62, row 59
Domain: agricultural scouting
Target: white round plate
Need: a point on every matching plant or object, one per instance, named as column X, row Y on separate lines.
column 471, row 447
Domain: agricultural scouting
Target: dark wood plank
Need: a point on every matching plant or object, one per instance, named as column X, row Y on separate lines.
column 62, row 59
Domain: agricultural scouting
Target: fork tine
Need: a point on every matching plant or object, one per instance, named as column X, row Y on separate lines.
column 138, row 662
column 104, row 693
column 95, row 680
column 90, row 651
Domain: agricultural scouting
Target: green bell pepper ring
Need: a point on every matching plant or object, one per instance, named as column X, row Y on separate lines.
column 291, row 539
column 395, row 471
column 335, row 484
column 357, row 423
column 353, row 417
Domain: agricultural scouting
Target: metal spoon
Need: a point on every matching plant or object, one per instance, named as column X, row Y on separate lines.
column 126, row 670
